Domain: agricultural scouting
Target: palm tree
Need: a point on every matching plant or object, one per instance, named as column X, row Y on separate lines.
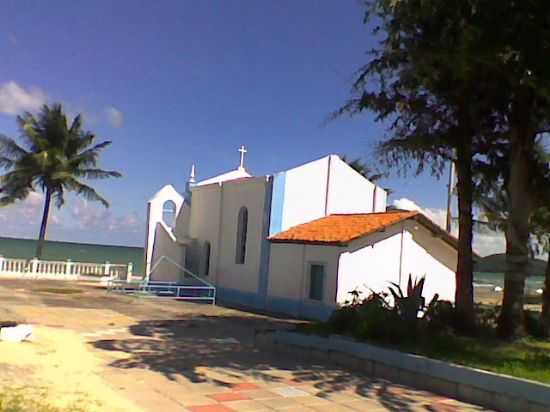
column 53, row 159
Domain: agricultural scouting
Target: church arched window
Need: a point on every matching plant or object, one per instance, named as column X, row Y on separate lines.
column 242, row 228
column 206, row 256
column 169, row 213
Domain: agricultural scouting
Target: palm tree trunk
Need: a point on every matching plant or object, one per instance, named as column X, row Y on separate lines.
column 545, row 315
column 511, row 319
column 464, row 294
column 44, row 224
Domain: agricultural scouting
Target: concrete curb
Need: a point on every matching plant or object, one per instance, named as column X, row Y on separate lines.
column 491, row 390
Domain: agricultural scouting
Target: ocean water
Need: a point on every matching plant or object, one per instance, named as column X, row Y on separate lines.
column 77, row 252
column 491, row 280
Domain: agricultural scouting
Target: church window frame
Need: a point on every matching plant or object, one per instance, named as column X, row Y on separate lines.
column 169, row 213
column 242, row 234
column 317, row 275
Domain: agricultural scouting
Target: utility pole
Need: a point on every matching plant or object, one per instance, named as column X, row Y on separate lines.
column 450, row 189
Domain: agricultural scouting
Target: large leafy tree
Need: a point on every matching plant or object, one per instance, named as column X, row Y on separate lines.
column 493, row 196
column 419, row 82
column 452, row 79
column 55, row 156
column 541, row 228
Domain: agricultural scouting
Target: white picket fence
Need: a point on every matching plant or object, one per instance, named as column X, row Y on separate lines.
column 51, row 269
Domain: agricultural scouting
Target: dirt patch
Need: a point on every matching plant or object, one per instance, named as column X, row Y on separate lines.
column 59, row 291
column 58, row 366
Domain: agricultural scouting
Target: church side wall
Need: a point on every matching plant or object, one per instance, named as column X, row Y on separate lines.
column 304, row 195
column 373, row 262
column 370, row 264
column 205, row 225
column 242, row 278
column 289, row 279
column 427, row 255
column 349, row 192
column 163, row 270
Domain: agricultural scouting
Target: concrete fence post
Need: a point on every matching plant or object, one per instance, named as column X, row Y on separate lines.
column 1, row 263
column 107, row 268
column 68, row 267
column 34, row 266
column 129, row 272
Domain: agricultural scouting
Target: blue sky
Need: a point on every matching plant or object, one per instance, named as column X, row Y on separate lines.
column 173, row 83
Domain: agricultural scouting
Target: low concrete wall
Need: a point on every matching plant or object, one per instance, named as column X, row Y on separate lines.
column 490, row 390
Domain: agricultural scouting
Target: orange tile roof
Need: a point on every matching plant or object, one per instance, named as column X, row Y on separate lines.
column 341, row 229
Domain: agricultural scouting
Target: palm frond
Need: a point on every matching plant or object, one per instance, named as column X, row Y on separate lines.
column 10, row 149
column 89, row 156
column 97, row 173
column 85, row 191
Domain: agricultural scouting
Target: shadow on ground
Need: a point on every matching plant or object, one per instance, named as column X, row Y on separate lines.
column 191, row 347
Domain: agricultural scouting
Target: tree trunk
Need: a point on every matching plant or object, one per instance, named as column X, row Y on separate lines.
column 511, row 319
column 464, row 294
column 545, row 315
column 44, row 224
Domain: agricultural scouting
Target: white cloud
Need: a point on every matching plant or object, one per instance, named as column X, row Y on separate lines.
column 95, row 217
column 486, row 242
column 15, row 99
column 23, row 218
column 77, row 221
column 114, row 116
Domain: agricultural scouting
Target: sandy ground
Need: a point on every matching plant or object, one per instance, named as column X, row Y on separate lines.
column 59, row 364
column 98, row 351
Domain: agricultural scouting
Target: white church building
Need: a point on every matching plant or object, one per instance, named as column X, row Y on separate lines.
column 295, row 242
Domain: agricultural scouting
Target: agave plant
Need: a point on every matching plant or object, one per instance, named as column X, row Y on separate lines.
column 410, row 304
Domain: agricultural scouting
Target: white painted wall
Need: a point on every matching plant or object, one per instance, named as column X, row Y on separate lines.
column 154, row 216
column 166, row 245
column 311, row 192
column 349, row 192
column 204, row 224
column 249, row 193
column 289, row 271
column 372, row 262
column 214, row 215
column 305, row 193
column 425, row 254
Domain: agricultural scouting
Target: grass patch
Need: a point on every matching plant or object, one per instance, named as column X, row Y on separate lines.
column 526, row 358
column 59, row 291
column 19, row 400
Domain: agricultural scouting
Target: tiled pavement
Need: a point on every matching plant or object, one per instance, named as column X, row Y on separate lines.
column 173, row 356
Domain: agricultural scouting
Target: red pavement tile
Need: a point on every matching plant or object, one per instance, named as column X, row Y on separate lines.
column 228, row 396
column 244, row 386
column 210, row 408
column 442, row 407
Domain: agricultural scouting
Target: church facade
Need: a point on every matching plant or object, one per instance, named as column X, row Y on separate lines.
column 294, row 242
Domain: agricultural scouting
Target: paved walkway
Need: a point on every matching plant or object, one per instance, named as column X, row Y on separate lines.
column 164, row 355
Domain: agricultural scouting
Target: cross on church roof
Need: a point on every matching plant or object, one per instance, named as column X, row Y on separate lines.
column 242, row 151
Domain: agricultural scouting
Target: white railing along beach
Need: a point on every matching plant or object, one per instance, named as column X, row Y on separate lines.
column 52, row 269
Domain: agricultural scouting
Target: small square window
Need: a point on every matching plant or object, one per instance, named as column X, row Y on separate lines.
column 316, row 281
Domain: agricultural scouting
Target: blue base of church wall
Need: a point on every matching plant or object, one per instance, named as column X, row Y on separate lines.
column 294, row 308
column 299, row 309
column 240, row 297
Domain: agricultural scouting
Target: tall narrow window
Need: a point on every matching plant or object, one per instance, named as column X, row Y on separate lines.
column 316, row 281
column 242, row 227
column 206, row 257
column 169, row 213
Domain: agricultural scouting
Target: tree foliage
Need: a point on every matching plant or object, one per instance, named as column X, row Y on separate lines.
column 54, row 157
